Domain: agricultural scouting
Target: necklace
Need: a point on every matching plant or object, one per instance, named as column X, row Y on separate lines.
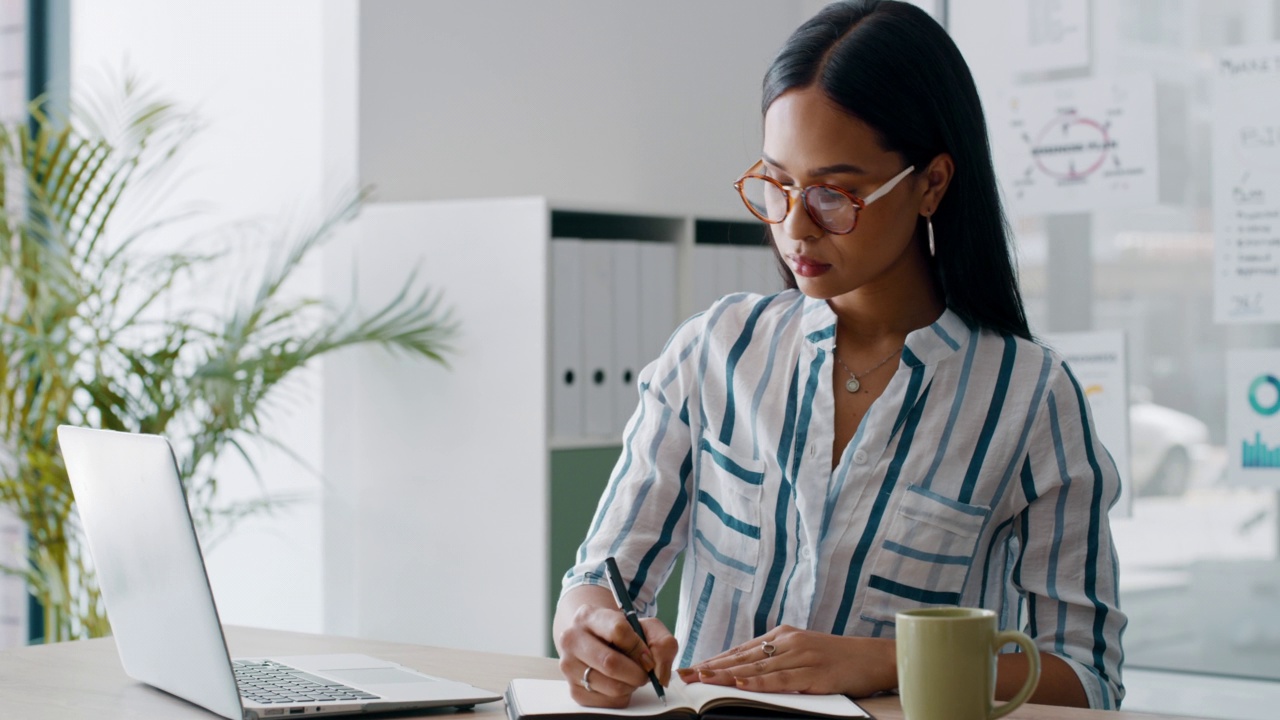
column 852, row 384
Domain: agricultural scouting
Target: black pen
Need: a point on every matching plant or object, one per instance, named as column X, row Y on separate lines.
column 624, row 604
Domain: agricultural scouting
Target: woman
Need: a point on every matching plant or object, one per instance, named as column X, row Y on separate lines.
column 884, row 435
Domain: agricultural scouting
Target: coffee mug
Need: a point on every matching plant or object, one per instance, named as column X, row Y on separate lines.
column 947, row 664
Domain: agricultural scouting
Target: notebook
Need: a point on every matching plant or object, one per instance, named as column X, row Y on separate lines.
column 550, row 700
column 138, row 527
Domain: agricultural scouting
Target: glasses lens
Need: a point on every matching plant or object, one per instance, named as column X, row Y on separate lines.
column 765, row 198
column 836, row 212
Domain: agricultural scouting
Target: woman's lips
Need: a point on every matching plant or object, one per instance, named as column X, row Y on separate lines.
column 807, row 267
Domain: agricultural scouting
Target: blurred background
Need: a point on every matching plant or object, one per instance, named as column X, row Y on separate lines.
column 492, row 132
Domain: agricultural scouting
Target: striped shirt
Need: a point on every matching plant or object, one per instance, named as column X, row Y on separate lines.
column 976, row 479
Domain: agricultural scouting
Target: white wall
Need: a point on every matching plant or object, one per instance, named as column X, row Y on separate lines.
column 13, row 533
column 651, row 105
column 252, row 70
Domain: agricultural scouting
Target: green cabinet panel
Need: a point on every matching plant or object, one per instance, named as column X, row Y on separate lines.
column 578, row 478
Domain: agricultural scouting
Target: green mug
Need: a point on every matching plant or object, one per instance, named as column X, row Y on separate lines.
column 947, row 664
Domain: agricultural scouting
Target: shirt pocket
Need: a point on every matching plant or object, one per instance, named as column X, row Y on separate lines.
column 925, row 557
column 726, row 523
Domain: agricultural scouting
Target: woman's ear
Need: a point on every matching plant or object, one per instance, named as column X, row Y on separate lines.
column 937, row 177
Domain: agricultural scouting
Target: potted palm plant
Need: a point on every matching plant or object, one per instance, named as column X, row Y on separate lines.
column 95, row 329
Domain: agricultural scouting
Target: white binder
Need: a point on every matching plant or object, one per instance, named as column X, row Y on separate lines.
column 757, row 270
column 567, row 377
column 597, row 339
column 709, row 275
column 626, row 330
column 658, row 311
column 728, row 277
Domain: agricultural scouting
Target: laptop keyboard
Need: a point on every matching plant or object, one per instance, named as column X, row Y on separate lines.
column 270, row 683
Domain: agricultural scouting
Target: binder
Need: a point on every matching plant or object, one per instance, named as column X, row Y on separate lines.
column 597, row 339
column 567, row 378
column 658, row 311
column 715, row 274
column 626, row 330
column 758, row 270
column 728, row 277
column 705, row 289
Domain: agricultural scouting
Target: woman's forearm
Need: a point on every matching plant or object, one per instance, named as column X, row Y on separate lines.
column 1059, row 684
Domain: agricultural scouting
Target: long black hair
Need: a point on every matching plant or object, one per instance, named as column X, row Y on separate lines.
column 892, row 66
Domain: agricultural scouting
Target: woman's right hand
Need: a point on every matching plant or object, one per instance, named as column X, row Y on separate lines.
column 592, row 633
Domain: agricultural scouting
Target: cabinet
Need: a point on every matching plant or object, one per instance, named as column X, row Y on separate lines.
column 443, row 522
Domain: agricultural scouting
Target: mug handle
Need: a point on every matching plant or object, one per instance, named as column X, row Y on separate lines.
column 1033, row 676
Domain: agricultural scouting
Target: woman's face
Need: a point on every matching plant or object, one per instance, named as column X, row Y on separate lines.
column 809, row 140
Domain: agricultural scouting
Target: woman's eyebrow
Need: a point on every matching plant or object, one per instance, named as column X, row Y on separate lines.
column 837, row 169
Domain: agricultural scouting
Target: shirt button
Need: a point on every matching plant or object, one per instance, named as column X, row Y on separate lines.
column 860, row 457
column 813, row 450
column 804, row 552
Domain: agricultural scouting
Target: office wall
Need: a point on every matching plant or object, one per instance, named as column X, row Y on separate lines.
column 252, row 71
column 651, row 105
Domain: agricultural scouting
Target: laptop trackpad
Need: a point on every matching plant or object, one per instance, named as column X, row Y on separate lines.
column 375, row 676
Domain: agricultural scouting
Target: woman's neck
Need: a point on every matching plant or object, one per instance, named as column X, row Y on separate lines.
column 884, row 314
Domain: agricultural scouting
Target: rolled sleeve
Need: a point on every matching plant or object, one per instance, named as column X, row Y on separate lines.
column 1067, row 566
column 642, row 517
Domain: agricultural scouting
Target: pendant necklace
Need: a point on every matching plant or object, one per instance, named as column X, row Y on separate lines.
column 852, row 384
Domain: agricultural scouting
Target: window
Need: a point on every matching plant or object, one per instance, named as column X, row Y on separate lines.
column 1199, row 575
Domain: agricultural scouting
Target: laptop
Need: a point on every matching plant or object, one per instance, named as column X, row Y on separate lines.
column 156, row 591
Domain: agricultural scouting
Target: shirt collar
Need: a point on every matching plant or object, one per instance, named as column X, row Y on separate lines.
column 937, row 341
column 925, row 346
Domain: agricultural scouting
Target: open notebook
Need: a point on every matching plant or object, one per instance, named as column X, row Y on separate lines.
column 550, row 700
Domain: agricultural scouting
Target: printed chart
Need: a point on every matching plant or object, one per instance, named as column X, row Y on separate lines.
column 1253, row 417
column 1077, row 146
column 1246, row 185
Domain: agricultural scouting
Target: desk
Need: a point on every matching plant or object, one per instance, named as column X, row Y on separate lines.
column 84, row 679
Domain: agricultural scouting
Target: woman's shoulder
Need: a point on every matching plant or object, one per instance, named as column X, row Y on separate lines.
column 1036, row 347
column 1041, row 366
column 736, row 311
column 722, row 324
column 1036, row 361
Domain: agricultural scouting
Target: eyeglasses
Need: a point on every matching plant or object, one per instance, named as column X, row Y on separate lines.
column 833, row 209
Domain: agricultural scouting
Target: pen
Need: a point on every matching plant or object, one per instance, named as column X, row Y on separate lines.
column 624, row 604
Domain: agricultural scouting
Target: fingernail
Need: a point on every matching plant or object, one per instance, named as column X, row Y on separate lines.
column 740, row 682
column 706, row 673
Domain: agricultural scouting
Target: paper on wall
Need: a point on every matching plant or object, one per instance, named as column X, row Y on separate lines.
column 1246, row 185
column 1077, row 145
column 1049, row 34
column 1253, row 417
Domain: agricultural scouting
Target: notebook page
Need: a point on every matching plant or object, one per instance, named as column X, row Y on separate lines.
column 551, row 697
column 834, row 705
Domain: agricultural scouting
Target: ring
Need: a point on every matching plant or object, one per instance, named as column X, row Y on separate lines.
column 768, row 648
column 586, row 684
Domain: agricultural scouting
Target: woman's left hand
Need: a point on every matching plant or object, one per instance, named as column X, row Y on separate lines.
column 787, row 659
